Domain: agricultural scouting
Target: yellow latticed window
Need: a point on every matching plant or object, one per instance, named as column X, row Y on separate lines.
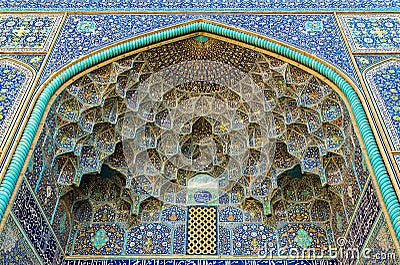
column 202, row 230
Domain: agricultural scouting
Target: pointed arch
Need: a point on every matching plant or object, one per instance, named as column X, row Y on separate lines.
column 201, row 26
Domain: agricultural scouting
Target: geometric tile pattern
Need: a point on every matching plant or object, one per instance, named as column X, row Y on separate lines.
column 372, row 33
column 383, row 82
column 27, row 33
column 14, row 249
column 15, row 81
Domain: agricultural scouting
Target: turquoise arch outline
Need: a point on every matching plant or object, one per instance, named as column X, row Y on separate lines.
column 10, row 179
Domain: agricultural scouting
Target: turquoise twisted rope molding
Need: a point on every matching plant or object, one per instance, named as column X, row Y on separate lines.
column 10, row 179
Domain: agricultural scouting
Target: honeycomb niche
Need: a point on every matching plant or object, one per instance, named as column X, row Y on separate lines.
column 197, row 148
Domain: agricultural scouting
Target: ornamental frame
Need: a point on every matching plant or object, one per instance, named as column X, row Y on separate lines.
column 329, row 74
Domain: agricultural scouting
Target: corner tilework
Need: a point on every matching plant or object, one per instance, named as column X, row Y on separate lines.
column 82, row 34
column 16, row 80
column 380, row 246
column 317, row 34
column 14, row 249
column 372, row 33
column 362, row 224
column 383, row 80
column 36, row 228
column 28, row 32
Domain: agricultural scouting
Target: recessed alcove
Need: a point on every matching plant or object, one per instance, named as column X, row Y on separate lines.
column 130, row 151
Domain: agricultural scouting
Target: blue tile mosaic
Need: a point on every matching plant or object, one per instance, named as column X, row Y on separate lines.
column 372, row 33
column 364, row 61
column 361, row 226
column 254, row 239
column 14, row 248
column 397, row 158
column 82, row 34
column 110, row 218
column 99, row 239
column 35, row 226
column 382, row 81
column 103, row 216
column 316, row 34
column 27, row 33
column 33, row 60
column 380, row 247
column 149, row 239
column 16, row 80
column 196, row 5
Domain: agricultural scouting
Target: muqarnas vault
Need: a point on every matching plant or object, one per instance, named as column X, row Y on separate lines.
column 198, row 147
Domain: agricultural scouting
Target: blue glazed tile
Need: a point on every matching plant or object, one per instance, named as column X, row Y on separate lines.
column 397, row 158
column 14, row 248
column 149, row 239
column 27, row 33
column 196, row 5
column 382, row 81
column 364, row 61
column 35, row 226
column 316, row 34
column 99, row 239
column 82, row 34
column 16, row 80
column 362, row 224
column 34, row 60
column 372, row 33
